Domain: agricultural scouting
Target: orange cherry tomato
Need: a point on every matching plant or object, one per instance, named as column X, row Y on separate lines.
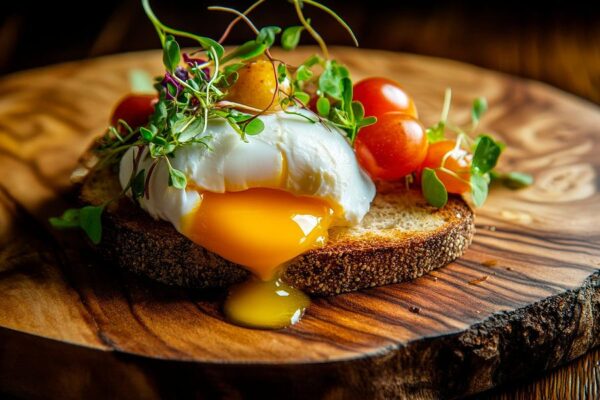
column 458, row 161
column 381, row 95
column 393, row 147
column 135, row 109
column 255, row 86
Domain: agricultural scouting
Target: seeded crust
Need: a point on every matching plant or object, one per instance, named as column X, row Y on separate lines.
column 400, row 239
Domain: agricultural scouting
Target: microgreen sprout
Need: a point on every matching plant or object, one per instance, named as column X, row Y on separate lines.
column 193, row 91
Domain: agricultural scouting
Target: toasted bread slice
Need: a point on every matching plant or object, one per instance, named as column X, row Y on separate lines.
column 401, row 238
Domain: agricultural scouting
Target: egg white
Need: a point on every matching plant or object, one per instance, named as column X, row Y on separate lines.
column 291, row 154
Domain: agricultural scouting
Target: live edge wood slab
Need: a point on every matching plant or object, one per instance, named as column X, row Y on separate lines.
column 524, row 298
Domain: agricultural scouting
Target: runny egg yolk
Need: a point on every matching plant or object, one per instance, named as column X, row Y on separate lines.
column 260, row 229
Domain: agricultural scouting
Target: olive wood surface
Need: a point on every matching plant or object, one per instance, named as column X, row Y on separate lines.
column 524, row 298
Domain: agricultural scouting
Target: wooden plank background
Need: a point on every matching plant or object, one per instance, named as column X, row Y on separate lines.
column 555, row 41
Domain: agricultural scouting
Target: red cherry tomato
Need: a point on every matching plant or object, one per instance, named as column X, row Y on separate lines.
column 393, row 147
column 381, row 95
column 135, row 109
column 458, row 161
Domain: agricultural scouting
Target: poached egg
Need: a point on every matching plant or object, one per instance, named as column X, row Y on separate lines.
column 263, row 201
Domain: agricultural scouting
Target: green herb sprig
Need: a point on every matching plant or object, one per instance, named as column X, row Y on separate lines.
column 193, row 91
column 485, row 152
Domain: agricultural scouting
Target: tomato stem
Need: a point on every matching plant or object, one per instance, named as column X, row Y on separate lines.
column 446, row 107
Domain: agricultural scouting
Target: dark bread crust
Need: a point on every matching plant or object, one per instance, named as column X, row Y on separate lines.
column 137, row 242
column 345, row 267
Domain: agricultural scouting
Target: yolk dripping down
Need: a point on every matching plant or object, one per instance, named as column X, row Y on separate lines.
column 260, row 229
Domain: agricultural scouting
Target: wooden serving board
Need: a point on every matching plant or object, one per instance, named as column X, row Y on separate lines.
column 523, row 299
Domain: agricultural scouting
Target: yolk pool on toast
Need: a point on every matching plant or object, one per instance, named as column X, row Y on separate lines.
column 260, row 229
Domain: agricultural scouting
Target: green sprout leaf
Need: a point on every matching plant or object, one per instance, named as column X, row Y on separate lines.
column 433, row 189
column 231, row 68
column 177, row 178
column 358, row 110
column 330, row 81
column 193, row 128
column 313, row 60
column 436, row 132
column 91, row 222
column 69, row 219
column 254, row 127
column 88, row 218
column 485, row 155
column 246, row 51
column 302, row 96
column 323, row 106
column 479, row 189
column 147, row 134
column 209, row 44
column 513, row 180
column 291, row 37
column 303, row 73
column 159, row 141
column 281, row 73
column 479, row 108
column 366, row 122
column 171, row 53
column 267, row 35
column 347, row 96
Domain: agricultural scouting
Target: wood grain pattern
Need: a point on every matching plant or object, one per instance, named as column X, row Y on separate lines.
column 538, row 307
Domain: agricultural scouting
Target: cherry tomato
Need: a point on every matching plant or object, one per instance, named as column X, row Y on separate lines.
column 458, row 161
column 255, row 85
column 135, row 109
column 381, row 95
column 393, row 147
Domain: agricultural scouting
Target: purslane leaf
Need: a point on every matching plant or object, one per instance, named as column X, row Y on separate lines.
column 303, row 73
column 513, row 180
column 91, row 222
column 291, row 37
column 69, row 219
column 433, row 189
column 267, row 35
column 281, row 73
column 478, row 109
column 330, row 81
column 254, row 127
column 479, row 189
column 366, row 122
column 323, row 106
column 171, row 54
column 246, row 51
column 485, row 155
column 88, row 218
column 302, row 96
column 358, row 110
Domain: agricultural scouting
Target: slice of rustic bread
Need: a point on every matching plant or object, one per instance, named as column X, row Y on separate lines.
column 401, row 238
